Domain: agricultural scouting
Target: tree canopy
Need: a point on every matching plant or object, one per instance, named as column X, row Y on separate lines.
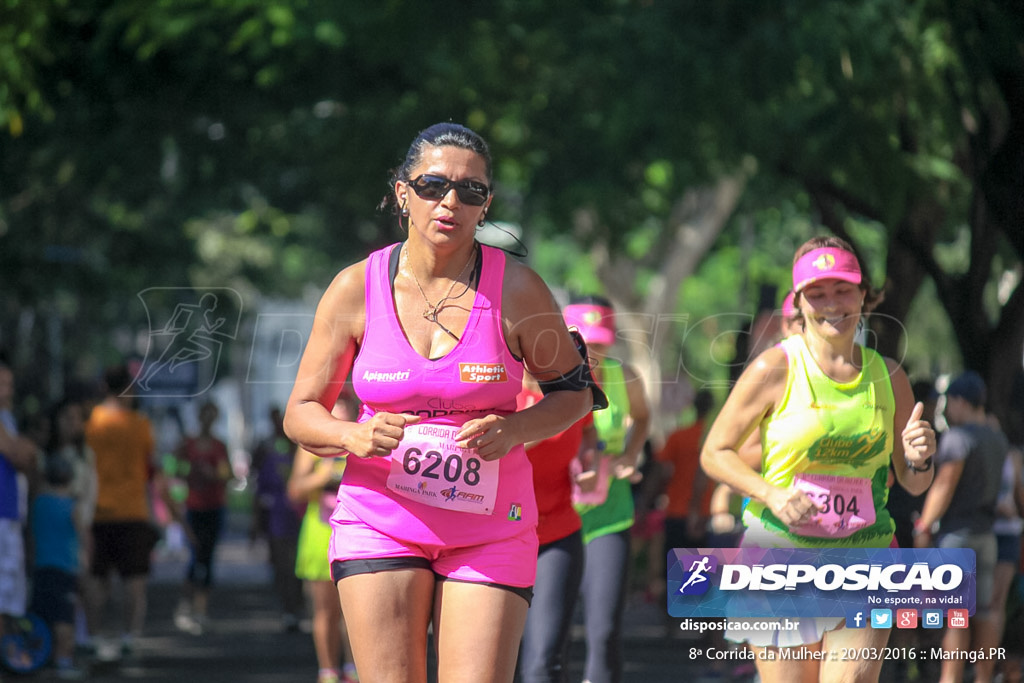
column 645, row 146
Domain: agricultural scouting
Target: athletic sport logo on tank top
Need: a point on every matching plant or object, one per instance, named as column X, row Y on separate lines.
column 482, row 372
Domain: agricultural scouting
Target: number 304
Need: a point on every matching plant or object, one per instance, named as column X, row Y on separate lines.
column 838, row 504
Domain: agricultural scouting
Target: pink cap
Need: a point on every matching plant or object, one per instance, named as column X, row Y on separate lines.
column 595, row 323
column 788, row 307
column 826, row 263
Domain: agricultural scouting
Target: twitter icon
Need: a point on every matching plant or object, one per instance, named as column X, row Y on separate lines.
column 881, row 618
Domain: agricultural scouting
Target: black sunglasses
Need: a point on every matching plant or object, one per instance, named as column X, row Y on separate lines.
column 470, row 192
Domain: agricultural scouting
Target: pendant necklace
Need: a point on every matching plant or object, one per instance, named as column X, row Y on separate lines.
column 431, row 311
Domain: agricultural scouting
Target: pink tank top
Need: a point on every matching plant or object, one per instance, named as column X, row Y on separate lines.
column 480, row 376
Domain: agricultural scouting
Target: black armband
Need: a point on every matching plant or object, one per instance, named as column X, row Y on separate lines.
column 577, row 379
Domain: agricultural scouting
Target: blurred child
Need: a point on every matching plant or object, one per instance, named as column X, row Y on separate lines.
column 68, row 441
column 56, row 529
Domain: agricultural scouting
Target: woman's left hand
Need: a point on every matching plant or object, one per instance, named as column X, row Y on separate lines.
column 918, row 438
column 490, row 436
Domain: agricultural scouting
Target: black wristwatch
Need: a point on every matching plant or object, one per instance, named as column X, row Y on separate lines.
column 925, row 466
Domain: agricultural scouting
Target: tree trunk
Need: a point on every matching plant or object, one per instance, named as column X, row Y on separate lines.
column 647, row 321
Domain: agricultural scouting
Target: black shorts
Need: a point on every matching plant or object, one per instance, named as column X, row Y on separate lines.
column 341, row 569
column 53, row 595
column 124, row 547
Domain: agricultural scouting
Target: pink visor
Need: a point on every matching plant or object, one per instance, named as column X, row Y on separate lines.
column 827, row 263
column 595, row 323
column 788, row 309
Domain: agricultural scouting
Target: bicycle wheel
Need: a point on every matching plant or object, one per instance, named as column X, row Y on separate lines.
column 26, row 643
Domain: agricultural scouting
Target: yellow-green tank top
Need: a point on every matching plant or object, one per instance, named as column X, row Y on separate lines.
column 825, row 427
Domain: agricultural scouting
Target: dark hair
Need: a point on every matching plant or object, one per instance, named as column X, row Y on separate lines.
column 872, row 296
column 702, row 402
column 57, row 470
column 117, row 379
column 969, row 386
column 437, row 135
column 56, row 410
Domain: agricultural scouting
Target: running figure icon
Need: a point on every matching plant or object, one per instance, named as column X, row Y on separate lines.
column 191, row 339
column 696, row 570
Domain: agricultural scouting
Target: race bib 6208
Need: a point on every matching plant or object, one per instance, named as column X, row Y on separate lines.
column 430, row 468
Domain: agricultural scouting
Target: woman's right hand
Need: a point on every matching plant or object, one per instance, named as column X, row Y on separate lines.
column 379, row 435
column 792, row 506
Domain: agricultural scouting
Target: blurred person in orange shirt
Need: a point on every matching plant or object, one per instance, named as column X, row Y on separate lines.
column 123, row 533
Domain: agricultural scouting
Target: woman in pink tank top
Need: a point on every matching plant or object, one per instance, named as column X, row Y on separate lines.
column 436, row 518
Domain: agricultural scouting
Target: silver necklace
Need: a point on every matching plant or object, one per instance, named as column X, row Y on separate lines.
column 432, row 310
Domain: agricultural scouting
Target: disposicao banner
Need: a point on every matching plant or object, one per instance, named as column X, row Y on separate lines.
column 832, row 582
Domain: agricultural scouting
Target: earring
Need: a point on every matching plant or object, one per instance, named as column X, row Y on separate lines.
column 482, row 218
column 405, row 211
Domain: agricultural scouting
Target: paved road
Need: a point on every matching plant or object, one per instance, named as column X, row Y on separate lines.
column 246, row 642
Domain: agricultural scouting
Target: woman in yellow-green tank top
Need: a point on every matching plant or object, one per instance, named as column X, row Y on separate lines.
column 846, row 437
column 828, row 411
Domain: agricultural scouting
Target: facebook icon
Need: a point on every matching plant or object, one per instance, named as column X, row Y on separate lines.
column 856, row 619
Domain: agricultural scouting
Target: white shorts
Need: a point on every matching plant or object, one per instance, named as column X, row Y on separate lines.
column 13, row 590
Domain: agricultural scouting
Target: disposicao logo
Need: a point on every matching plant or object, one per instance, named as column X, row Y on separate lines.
column 830, row 577
column 698, row 567
column 849, row 583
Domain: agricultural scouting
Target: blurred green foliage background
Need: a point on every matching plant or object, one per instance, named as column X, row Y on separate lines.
column 670, row 153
